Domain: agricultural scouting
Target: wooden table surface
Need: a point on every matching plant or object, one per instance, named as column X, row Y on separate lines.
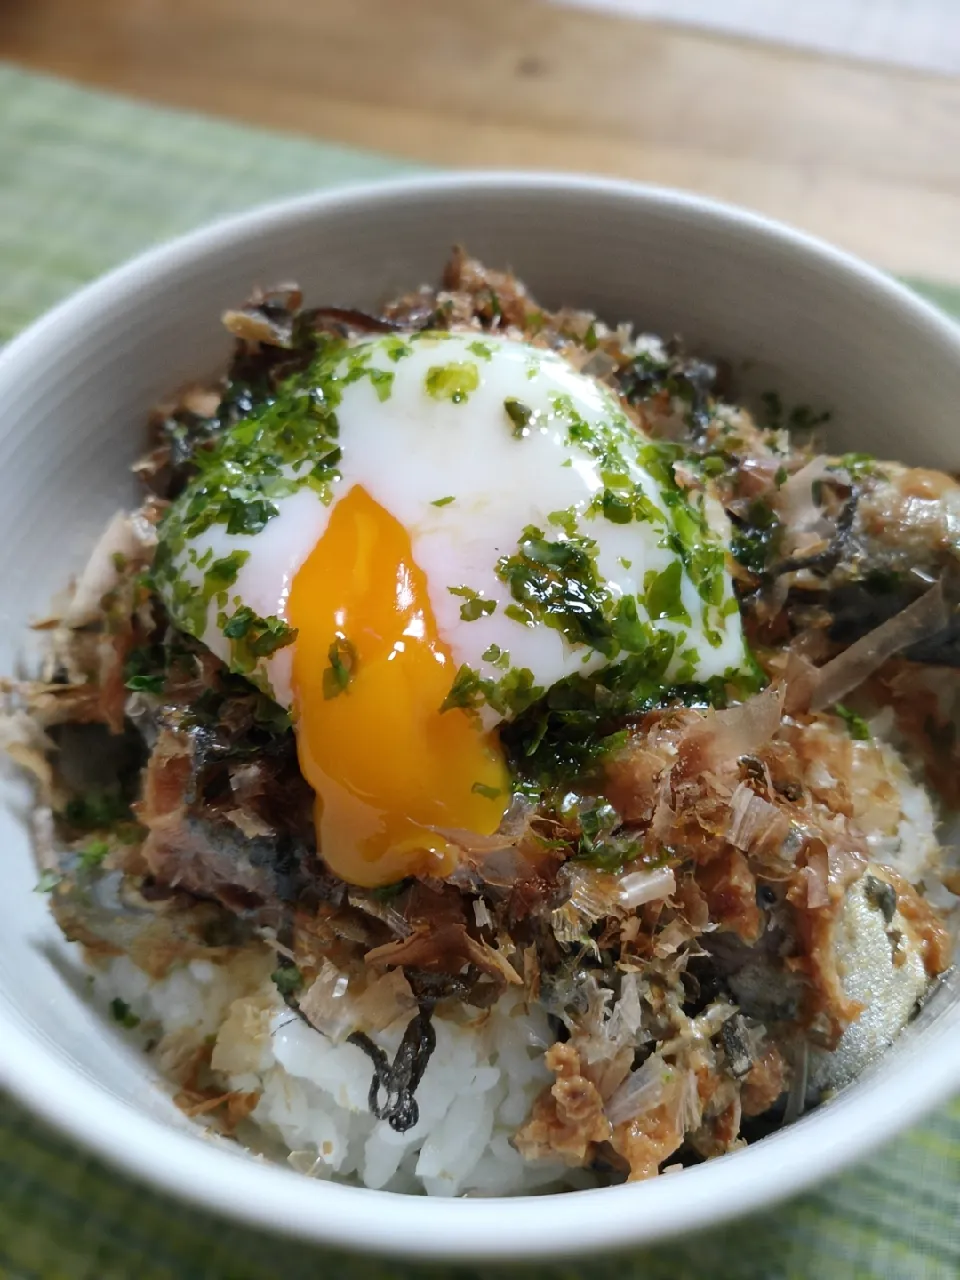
column 865, row 155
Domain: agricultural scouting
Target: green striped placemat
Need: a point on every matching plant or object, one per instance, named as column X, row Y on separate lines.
column 85, row 181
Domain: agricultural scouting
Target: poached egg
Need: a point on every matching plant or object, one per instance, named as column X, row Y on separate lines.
column 414, row 540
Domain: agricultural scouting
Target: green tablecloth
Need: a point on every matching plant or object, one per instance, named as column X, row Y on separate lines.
column 85, row 181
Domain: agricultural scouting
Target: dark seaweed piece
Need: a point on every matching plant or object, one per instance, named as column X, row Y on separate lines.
column 882, row 895
column 756, row 537
column 736, row 1043
column 399, row 1081
column 256, row 371
column 689, row 380
column 766, row 896
column 790, row 790
column 430, row 988
column 753, row 769
column 271, row 323
column 349, row 318
column 184, row 432
column 824, row 562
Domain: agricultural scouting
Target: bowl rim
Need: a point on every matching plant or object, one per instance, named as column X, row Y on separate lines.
column 217, row 1178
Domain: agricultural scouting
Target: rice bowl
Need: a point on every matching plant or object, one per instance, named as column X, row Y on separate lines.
column 495, row 1121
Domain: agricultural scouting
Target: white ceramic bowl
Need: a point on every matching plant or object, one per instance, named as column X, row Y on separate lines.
column 788, row 311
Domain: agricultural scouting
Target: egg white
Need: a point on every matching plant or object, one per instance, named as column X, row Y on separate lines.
column 412, row 449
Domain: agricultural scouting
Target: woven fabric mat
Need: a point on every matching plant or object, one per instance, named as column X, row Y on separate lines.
column 85, row 181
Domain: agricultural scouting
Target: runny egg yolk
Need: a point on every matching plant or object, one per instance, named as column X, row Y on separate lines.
column 388, row 767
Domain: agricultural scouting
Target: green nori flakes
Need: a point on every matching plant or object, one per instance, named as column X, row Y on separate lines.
column 337, row 676
column 287, row 979
column 857, row 727
column 122, row 1013
column 48, row 882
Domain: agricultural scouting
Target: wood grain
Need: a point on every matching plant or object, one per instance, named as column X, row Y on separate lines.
column 867, row 156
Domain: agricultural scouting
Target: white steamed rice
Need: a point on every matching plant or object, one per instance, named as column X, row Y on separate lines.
column 478, row 1087
column 487, row 1068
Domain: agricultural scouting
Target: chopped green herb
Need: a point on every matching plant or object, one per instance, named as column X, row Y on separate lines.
column 857, row 727
column 285, row 440
column 512, row 694
column 482, row 349
column 623, row 502
column 453, row 381
column 772, row 410
column 713, row 465
column 343, row 660
column 475, row 606
column 803, row 418
column 252, row 638
column 481, row 789
column 123, row 1014
column 756, row 538
column 93, row 854
column 246, row 514
column 557, row 583
column 519, row 613
column 565, row 520
column 496, row 656
column 686, row 383
column 707, row 617
column 119, row 561
column 616, row 508
column 129, row 833
column 146, row 684
column 520, row 414
column 443, row 502
column 466, row 692
column 800, row 418
column 96, row 810
column 382, row 382
column 632, row 635
column 687, row 671
column 590, row 337
column 48, row 882
column 287, row 979
column 387, row 892
column 662, row 594
column 561, row 739
column 222, row 574
column 395, row 348
column 268, row 715
column 859, row 465
column 599, row 844
column 515, row 692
